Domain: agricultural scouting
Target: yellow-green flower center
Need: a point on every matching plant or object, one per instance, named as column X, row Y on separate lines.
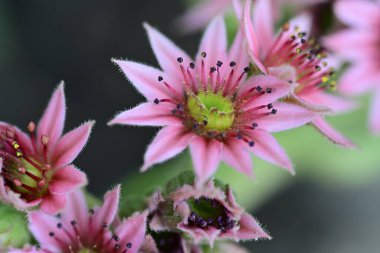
column 86, row 250
column 212, row 110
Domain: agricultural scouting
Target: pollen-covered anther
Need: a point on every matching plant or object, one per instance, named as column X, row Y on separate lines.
column 31, row 127
column 45, row 140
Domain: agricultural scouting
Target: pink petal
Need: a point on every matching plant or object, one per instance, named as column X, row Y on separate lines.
column 71, row 144
column 238, row 7
column 132, row 231
column 358, row 79
column 214, row 44
column 264, row 24
column 375, row 113
column 29, row 250
column 77, row 209
column 336, row 103
column 41, row 224
column 148, row 114
column 278, row 87
column 250, row 229
column 288, row 116
column 201, row 14
column 267, row 148
column 169, row 142
column 53, row 203
column 284, row 72
column 238, row 53
column 357, row 13
column 346, row 44
column 67, row 179
column 206, row 155
column 53, row 119
column 107, row 212
column 303, row 22
column 198, row 234
column 145, row 79
column 236, row 155
column 252, row 37
column 333, row 135
column 167, row 53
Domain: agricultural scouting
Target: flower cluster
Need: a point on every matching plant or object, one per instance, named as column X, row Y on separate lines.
column 223, row 105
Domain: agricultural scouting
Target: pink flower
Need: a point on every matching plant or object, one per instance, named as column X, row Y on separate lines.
column 292, row 55
column 207, row 213
column 209, row 105
column 79, row 229
column 198, row 16
column 360, row 44
column 36, row 167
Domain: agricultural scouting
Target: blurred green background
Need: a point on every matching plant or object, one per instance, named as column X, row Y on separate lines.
column 331, row 205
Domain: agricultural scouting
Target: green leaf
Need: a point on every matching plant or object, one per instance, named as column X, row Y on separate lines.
column 13, row 228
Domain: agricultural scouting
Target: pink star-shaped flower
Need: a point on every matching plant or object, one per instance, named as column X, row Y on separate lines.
column 36, row 166
column 360, row 44
column 198, row 16
column 207, row 213
column 293, row 56
column 79, row 229
column 210, row 105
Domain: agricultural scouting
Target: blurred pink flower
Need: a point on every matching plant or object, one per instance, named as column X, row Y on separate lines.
column 293, row 56
column 209, row 105
column 78, row 229
column 360, row 44
column 208, row 213
column 36, row 166
column 198, row 16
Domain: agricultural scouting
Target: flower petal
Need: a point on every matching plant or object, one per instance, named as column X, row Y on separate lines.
column 357, row 13
column 250, row 229
column 70, row 145
column 358, row 79
column 284, row 72
column 53, row 119
column 147, row 114
column 267, row 148
column 336, row 103
column 237, row 52
column 67, row 179
column 236, row 155
column 375, row 113
column 132, row 232
column 145, row 79
column 238, row 8
column 53, row 203
column 107, row 212
column 333, row 135
column 214, row 44
column 77, row 209
column 169, row 142
column 251, row 36
column 201, row 14
column 288, row 116
column 264, row 23
column 44, row 228
column 206, row 155
column 278, row 89
column 303, row 22
column 167, row 53
column 346, row 44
